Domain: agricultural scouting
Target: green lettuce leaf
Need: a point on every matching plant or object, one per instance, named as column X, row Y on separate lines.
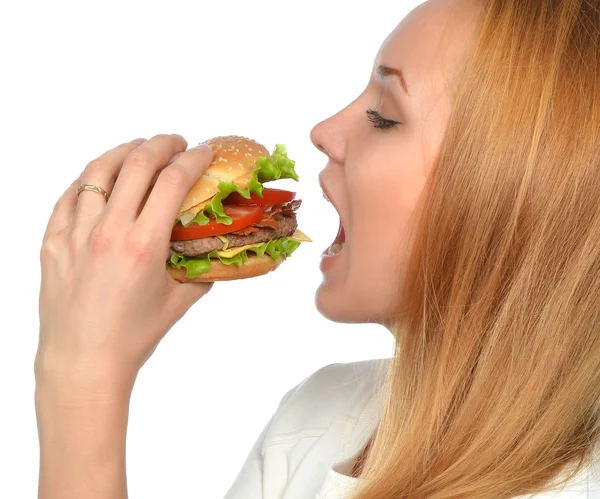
column 277, row 166
column 195, row 266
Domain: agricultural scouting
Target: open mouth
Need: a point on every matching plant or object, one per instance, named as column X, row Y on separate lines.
column 338, row 244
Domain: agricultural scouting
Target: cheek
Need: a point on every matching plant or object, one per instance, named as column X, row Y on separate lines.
column 365, row 286
column 376, row 251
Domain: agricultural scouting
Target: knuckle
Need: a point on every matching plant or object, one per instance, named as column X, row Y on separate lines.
column 95, row 166
column 163, row 137
column 57, row 205
column 51, row 248
column 101, row 240
column 162, row 141
column 174, row 175
column 139, row 158
column 140, row 245
column 76, row 238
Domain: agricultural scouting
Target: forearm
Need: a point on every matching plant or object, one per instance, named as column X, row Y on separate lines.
column 82, row 430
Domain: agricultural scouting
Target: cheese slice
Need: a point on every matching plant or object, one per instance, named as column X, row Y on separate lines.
column 297, row 236
column 230, row 253
column 300, row 237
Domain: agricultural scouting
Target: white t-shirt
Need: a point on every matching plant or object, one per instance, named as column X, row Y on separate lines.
column 308, row 447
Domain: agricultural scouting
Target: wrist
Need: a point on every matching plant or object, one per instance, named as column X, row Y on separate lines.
column 82, row 430
column 80, row 379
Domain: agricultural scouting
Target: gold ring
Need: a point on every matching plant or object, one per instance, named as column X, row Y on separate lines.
column 94, row 188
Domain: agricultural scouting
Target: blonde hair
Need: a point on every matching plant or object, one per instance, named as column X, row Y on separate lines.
column 494, row 387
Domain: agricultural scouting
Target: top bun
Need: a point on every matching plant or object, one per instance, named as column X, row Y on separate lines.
column 234, row 160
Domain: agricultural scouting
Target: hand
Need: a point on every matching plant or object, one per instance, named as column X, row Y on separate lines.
column 106, row 299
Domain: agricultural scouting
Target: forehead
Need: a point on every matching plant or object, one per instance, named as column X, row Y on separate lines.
column 429, row 45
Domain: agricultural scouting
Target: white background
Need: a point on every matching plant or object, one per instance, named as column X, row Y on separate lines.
column 79, row 78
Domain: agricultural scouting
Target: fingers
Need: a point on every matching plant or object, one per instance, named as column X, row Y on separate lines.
column 137, row 173
column 165, row 199
column 63, row 210
column 154, row 178
column 173, row 159
column 102, row 172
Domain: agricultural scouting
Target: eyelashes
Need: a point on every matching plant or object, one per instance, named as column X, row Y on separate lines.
column 379, row 121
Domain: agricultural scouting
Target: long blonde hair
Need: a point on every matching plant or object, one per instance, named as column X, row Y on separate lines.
column 494, row 387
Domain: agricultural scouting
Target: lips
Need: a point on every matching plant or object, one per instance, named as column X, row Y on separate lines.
column 341, row 235
column 328, row 197
column 337, row 245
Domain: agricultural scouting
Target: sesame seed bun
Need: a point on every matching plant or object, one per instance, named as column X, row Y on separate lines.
column 255, row 266
column 234, row 160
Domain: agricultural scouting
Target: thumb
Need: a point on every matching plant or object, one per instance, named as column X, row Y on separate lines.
column 184, row 295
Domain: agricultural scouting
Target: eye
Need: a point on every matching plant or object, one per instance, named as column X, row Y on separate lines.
column 379, row 121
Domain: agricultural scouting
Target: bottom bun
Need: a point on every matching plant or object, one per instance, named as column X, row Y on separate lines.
column 255, row 266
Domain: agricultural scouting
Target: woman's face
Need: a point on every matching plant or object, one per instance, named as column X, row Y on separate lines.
column 377, row 169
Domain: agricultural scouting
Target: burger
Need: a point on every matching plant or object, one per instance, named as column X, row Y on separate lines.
column 230, row 226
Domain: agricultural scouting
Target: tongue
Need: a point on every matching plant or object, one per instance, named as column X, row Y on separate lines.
column 341, row 236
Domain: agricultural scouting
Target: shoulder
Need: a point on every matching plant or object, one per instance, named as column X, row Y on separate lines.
column 339, row 379
column 334, row 391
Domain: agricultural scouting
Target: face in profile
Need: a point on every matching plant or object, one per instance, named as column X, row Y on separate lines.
column 381, row 149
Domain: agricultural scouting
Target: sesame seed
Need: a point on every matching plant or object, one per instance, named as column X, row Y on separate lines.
column 206, row 189
column 230, row 168
column 225, row 160
column 250, row 149
column 240, row 164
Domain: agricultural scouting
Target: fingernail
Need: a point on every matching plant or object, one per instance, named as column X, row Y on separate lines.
column 138, row 141
column 203, row 147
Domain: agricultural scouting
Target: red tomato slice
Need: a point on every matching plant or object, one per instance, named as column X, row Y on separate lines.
column 270, row 196
column 241, row 216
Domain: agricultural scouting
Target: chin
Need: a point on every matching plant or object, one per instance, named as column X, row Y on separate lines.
column 333, row 304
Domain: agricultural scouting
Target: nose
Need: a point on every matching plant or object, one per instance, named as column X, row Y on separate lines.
column 327, row 136
column 316, row 137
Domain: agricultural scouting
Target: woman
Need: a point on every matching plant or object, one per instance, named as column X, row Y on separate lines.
column 466, row 176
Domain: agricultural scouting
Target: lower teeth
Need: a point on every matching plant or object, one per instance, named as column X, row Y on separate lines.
column 334, row 249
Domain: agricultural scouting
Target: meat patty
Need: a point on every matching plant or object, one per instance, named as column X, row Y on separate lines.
column 199, row 247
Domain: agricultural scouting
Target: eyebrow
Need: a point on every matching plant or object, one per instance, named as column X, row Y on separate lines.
column 384, row 71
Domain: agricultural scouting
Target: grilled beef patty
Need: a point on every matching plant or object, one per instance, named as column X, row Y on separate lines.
column 200, row 247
